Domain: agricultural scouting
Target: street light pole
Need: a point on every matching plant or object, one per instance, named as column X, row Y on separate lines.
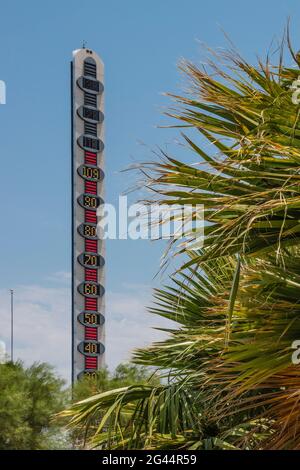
column 11, row 325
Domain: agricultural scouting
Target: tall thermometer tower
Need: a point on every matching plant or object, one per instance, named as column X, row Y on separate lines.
column 87, row 198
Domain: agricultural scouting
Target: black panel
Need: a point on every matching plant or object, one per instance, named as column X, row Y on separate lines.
column 88, row 231
column 91, row 260
column 91, row 143
column 91, row 289
column 89, row 201
column 88, row 318
column 87, row 373
column 90, row 172
column 91, row 348
column 90, row 114
column 90, row 85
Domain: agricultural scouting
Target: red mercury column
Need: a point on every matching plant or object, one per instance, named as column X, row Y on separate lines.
column 91, row 246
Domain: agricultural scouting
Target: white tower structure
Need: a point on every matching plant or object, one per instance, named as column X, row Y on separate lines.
column 87, row 196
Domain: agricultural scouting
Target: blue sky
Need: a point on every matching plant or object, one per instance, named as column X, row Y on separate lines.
column 140, row 43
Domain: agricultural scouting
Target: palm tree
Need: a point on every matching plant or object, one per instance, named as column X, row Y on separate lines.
column 230, row 379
